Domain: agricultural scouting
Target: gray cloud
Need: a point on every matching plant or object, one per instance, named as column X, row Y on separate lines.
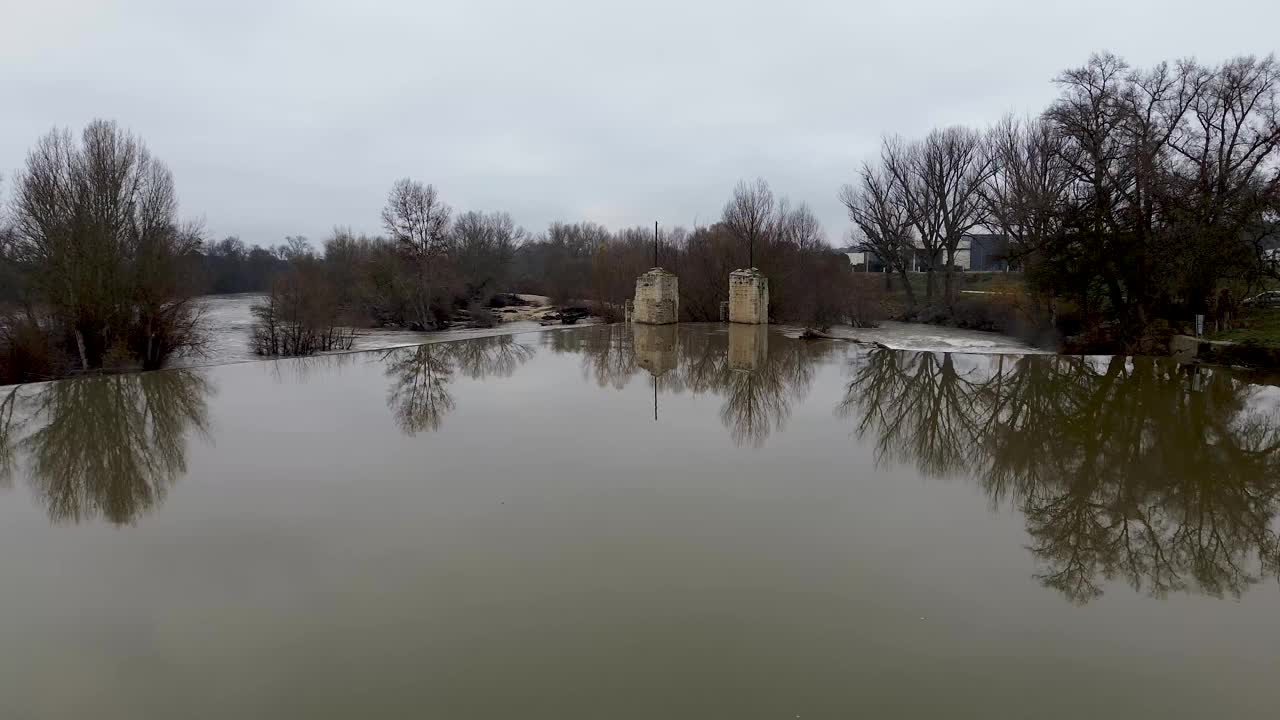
column 292, row 117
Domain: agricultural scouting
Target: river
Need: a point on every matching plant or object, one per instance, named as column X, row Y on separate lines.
column 228, row 320
column 635, row 522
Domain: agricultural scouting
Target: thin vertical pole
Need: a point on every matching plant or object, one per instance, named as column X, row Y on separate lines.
column 655, row 243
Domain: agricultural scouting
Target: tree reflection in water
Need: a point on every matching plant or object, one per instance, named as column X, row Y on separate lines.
column 107, row 445
column 11, row 424
column 606, row 352
column 1136, row 469
column 760, row 381
column 419, row 395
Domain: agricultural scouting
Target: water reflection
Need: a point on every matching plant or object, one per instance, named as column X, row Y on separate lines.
column 106, row 446
column 655, row 348
column 760, row 387
column 759, row 382
column 607, row 357
column 419, row 396
column 11, row 424
column 1134, row 469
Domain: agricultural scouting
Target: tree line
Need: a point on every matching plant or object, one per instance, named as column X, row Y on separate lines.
column 809, row 281
column 1139, row 198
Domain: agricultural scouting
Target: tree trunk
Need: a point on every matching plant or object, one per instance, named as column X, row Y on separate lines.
column 948, row 282
column 84, row 359
column 911, row 293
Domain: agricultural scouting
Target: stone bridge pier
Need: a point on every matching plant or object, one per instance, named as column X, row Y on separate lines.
column 657, row 300
column 748, row 297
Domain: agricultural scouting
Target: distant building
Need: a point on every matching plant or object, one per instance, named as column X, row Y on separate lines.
column 978, row 252
column 988, row 252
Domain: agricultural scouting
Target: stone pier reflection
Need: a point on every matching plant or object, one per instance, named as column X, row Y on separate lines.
column 655, row 348
column 748, row 347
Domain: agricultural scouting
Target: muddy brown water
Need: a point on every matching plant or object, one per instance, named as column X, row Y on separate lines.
column 634, row 522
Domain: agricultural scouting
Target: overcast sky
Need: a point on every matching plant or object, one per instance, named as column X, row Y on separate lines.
column 281, row 118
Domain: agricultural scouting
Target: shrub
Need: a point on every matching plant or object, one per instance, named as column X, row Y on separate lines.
column 96, row 229
column 866, row 301
column 481, row 316
column 29, row 351
column 300, row 315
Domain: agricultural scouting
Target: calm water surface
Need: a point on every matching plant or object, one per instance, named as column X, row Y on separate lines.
column 632, row 522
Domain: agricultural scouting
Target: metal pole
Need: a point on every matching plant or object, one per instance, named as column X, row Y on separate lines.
column 655, row 243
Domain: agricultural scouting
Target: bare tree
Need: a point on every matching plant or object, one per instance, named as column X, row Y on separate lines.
column 418, row 222
column 951, row 166
column 1118, row 126
column 797, row 227
column 1224, row 172
column 1027, row 187
column 295, row 247
column 749, row 214
column 482, row 247
column 98, row 222
column 904, row 163
column 879, row 209
column 1089, row 115
column 417, row 218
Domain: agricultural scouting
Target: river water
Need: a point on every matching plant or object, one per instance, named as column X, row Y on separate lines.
column 633, row 522
column 228, row 320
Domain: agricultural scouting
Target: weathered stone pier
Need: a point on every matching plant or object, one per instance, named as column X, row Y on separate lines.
column 657, row 299
column 748, row 297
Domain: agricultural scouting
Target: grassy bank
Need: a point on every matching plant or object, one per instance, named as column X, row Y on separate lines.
column 1260, row 326
column 974, row 282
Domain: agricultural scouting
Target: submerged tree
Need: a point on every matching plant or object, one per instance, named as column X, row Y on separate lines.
column 97, row 223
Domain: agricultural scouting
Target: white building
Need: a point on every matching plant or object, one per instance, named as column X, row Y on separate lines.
column 977, row 252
